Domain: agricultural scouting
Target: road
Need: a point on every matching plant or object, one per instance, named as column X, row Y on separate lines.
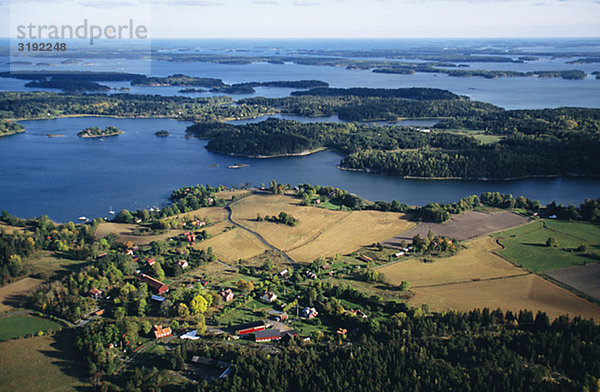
column 257, row 235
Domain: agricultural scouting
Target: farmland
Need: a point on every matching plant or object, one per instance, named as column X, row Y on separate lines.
column 41, row 363
column 521, row 292
column 14, row 294
column 319, row 232
column 21, row 325
column 477, row 262
column 464, row 226
column 585, row 279
column 526, row 245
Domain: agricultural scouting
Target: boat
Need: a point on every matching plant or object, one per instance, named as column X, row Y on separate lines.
column 83, row 219
column 110, row 211
column 237, row 166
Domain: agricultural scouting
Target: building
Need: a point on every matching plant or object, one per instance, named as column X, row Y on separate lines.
column 183, row 264
column 283, row 273
column 399, row 254
column 246, row 328
column 99, row 312
column 366, row 259
column 160, row 332
column 150, row 262
column 157, row 286
column 267, row 335
column 95, row 293
column 269, row 297
column 157, row 298
column 310, row 313
column 226, row 294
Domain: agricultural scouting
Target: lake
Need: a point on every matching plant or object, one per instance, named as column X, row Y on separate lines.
column 67, row 177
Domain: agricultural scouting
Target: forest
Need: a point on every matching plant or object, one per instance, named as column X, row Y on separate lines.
column 10, row 128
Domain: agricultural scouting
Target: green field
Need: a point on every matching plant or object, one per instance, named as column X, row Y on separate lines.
column 478, row 135
column 14, row 326
column 526, row 245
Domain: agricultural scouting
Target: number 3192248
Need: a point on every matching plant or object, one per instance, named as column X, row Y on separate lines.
column 42, row 47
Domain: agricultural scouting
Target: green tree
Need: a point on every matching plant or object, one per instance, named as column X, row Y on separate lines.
column 198, row 304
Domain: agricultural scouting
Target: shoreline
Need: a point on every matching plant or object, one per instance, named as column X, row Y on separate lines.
column 295, row 154
column 12, row 133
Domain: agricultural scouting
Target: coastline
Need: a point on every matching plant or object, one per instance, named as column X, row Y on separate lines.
column 11, row 133
column 295, row 154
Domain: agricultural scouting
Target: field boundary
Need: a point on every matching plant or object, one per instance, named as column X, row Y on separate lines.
column 472, row 280
column 570, row 288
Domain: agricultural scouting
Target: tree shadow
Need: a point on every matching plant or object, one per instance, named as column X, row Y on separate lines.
column 66, row 357
column 536, row 245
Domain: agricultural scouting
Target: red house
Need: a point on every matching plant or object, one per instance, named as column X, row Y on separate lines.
column 157, row 286
column 160, row 332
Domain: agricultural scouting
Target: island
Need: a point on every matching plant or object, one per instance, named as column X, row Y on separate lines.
column 162, row 133
column 95, row 132
column 8, row 128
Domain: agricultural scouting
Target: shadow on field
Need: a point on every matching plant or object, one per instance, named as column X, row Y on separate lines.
column 66, row 357
column 536, row 245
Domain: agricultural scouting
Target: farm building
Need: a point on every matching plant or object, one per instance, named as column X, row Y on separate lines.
column 150, row 261
column 254, row 326
column 278, row 315
column 366, row 259
column 95, row 293
column 269, row 296
column 267, row 335
column 226, row 294
column 399, row 254
column 157, row 286
column 160, row 332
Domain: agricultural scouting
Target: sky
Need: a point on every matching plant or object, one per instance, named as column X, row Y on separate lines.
column 318, row 18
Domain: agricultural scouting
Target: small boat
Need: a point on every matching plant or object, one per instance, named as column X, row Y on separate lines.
column 83, row 219
column 110, row 211
column 237, row 166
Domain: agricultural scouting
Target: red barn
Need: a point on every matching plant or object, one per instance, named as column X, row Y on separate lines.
column 254, row 326
column 157, row 286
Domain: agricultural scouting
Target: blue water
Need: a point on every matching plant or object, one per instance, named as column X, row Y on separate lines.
column 67, row 177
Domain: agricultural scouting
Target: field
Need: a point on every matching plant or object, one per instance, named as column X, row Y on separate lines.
column 22, row 325
column 586, row 278
column 123, row 232
column 233, row 245
column 526, row 245
column 13, row 295
column 478, row 135
column 40, row 364
column 522, row 292
column 476, row 262
column 319, row 232
column 464, row 226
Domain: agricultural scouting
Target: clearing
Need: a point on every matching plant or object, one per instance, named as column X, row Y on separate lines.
column 478, row 262
column 234, row 244
column 526, row 245
column 464, row 226
column 42, row 363
column 585, row 279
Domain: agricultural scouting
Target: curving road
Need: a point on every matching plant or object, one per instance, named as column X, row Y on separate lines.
column 257, row 235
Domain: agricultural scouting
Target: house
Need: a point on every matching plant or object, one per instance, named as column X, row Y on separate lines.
column 226, row 294
column 267, row 335
column 160, row 332
column 399, row 254
column 95, row 293
column 157, row 286
column 310, row 313
column 183, row 264
column 246, row 328
column 191, row 335
column 311, row 275
column 129, row 252
column 99, row 312
column 288, row 335
column 150, row 262
column 282, row 317
column 269, row 297
column 366, row 259
column 283, row 273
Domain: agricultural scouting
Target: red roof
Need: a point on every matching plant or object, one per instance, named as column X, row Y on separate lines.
column 154, row 284
column 160, row 332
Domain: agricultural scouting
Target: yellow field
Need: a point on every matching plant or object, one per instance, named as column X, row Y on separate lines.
column 123, row 232
column 14, row 294
column 319, row 231
column 215, row 214
column 227, row 195
column 233, row 245
column 522, row 292
column 476, row 262
column 39, row 364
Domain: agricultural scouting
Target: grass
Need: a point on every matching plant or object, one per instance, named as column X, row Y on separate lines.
column 51, row 266
column 12, row 327
column 42, row 363
column 478, row 135
column 14, row 294
column 526, row 245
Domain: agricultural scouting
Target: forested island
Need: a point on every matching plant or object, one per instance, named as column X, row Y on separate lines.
column 162, row 133
column 8, row 128
column 95, row 132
